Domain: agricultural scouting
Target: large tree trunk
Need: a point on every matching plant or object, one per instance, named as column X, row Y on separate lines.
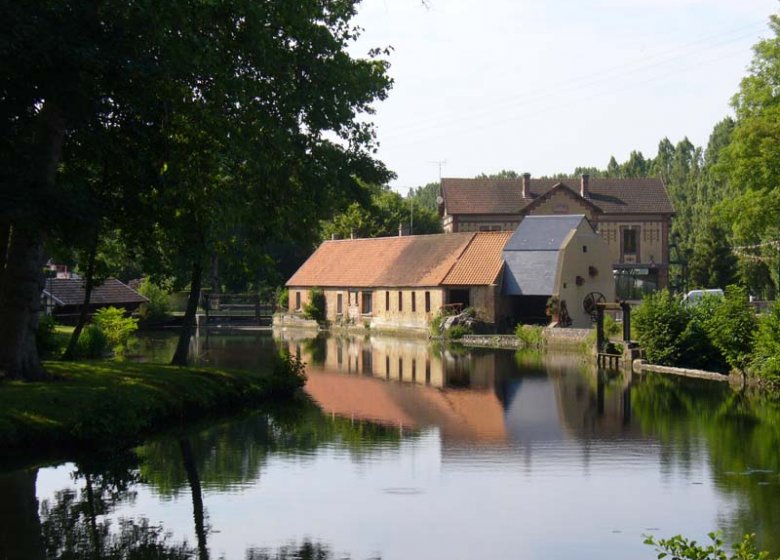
column 20, row 303
column 198, row 511
column 181, row 356
column 20, row 525
column 5, row 237
column 70, row 352
column 21, row 282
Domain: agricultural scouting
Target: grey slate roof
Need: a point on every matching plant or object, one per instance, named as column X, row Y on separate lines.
column 542, row 233
column 70, row 291
column 531, row 254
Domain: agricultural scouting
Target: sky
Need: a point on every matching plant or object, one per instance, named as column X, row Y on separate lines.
column 545, row 86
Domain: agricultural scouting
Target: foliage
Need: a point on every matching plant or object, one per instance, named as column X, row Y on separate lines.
column 315, row 307
column 380, row 214
column 699, row 350
column 288, row 375
column 157, row 308
column 436, row 322
column 712, row 265
column 530, row 335
column 731, row 327
column 680, row 548
column 456, row 332
column 115, row 326
column 92, row 343
column 611, row 327
column 660, row 321
column 46, row 337
column 283, row 299
column 766, row 361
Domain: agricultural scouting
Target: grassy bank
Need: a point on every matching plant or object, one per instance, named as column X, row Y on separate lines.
column 97, row 404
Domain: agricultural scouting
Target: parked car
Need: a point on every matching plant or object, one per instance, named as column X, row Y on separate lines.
column 695, row 296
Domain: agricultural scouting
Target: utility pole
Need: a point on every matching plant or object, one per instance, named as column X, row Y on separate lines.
column 411, row 203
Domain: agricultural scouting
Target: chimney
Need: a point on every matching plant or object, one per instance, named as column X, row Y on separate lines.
column 526, row 185
column 584, row 182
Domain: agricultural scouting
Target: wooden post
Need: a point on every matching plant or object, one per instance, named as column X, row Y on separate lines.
column 626, row 307
column 599, row 328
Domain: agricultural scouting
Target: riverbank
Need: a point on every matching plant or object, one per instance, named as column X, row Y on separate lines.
column 91, row 405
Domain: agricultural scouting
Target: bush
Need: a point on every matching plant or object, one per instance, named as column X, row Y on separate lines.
column 766, row 362
column 92, row 343
column 315, row 307
column 456, row 332
column 530, row 336
column 115, row 326
column 157, row 308
column 611, row 327
column 46, row 337
column 660, row 322
column 680, row 548
column 731, row 327
column 697, row 345
column 289, row 374
column 283, row 299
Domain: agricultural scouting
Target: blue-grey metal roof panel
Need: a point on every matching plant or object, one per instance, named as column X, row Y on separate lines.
column 530, row 273
column 542, row 233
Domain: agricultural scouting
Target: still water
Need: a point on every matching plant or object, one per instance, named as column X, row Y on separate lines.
column 411, row 450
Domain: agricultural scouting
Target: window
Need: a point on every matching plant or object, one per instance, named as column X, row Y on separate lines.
column 400, row 301
column 630, row 239
column 366, row 303
column 401, row 369
column 584, row 248
column 297, row 300
column 387, row 367
column 414, row 302
column 339, row 304
column 414, row 369
column 427, row 302
column 387, row 301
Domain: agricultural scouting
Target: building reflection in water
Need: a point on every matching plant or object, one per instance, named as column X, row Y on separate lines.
column 486, row 396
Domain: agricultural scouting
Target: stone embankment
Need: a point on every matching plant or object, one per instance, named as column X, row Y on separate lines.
column 641, row 366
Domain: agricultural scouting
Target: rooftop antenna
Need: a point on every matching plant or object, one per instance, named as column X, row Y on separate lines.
column 441, row 163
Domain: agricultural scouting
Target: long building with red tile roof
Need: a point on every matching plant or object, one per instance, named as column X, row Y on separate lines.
column 403, row 282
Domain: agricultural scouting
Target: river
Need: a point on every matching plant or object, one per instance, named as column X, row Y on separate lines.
column 413, row 450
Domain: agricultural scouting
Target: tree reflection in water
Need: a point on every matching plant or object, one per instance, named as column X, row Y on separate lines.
column 741, row 432
column 305, row 551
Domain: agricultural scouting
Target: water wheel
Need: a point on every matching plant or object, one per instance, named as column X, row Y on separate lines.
column 589, row 304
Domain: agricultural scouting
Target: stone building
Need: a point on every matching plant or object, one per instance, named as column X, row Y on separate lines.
column 632, row 216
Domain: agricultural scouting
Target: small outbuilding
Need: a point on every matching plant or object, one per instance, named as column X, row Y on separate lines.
column 557, row 267
column 64, row 297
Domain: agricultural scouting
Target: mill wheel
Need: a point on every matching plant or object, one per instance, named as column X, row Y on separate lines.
column 589, row 304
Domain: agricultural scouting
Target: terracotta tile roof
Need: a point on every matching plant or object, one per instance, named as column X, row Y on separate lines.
column 70, row 291
column 503, row 196
column 415, row 260
column 481, row 262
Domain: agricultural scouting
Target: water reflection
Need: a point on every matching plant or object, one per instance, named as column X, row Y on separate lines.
column 487, row 396
column 512, row 454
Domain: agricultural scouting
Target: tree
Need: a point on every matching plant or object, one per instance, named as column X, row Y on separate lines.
column 712, row 265
column 232, row 137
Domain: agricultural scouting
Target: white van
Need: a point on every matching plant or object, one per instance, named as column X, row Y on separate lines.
column 695, row 296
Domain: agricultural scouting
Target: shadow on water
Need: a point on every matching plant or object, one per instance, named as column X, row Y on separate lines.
column 78, row 522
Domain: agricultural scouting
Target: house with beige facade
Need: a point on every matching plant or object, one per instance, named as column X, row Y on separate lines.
column 556, row 266
column 633, row 217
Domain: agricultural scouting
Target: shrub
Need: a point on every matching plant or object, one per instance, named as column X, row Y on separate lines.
column 731, row 328
column 115, row 326
column 315, row 307
column 92, row 343
column 456, row 332
column 680, row 548
column 46, row 337
column 660, row 321
column 283, row 299
column 767, row 349
column 611, row 327
column 698, row 350
column 436, row 324
column 157, row 308
column 530, row 335
column 289, row 374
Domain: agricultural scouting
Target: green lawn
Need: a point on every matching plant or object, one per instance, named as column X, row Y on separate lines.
column 94, row 404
